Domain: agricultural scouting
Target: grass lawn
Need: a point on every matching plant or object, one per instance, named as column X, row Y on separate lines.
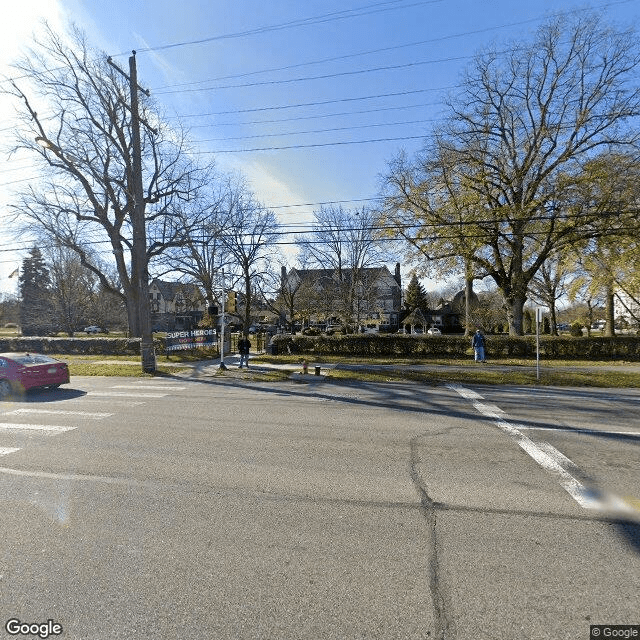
column 518, row 371
column 514, row 371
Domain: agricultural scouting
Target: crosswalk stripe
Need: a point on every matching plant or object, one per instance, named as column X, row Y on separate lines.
column 5, row 450
column 60, row 412
column 14, row 426
column 112, row 402
column 156, row 387
column 118, row 394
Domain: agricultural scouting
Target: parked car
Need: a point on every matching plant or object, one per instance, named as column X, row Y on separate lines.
column 434, row 331
column 25, row 371
column 417, row 331
column 93, row 329
column 333, row 328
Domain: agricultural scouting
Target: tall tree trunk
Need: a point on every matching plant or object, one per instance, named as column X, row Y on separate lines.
column 468, row 292
column 514, row 305
column 133, row 316
column 609, row 327
column 554, row 317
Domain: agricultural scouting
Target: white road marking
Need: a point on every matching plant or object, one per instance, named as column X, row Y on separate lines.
column 118, row 394
column 17, row 426
column 469, row 394
column 549, row 458
column 6, row 450
column 112, row 402
column 60, row 412
column 166, row 387
column 84, row 478
column 489, row 410
column 589, row 432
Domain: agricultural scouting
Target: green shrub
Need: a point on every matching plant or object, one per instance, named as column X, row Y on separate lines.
column 575, row 329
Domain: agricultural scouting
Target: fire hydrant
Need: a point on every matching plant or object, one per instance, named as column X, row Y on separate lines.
column 305, row 367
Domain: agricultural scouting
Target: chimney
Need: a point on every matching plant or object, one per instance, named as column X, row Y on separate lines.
column 398, row 276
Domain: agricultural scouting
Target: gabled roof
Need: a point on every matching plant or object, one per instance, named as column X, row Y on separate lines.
column 169, row 290
column 416, row 317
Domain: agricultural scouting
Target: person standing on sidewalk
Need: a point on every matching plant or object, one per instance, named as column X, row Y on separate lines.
column 477, row 342
column 244, row 346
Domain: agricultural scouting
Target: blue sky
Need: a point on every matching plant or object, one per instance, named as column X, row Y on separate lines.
column 309, row 99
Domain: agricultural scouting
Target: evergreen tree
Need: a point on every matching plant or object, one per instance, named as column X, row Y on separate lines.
column 35, row 307
column 415, row 296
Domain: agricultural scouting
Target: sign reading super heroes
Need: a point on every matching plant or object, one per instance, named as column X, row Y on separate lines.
column 179, row 340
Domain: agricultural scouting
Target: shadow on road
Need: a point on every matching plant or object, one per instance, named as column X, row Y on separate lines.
column 44, row 395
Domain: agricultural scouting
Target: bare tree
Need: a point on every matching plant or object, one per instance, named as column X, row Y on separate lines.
column 348, row 243
column 73, row 289
column 500, row 173
column 250, row 237
column 75, row 120
column 202, row 254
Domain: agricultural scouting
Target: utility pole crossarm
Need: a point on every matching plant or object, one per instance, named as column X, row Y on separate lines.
column 145, row 91
column 119, row 70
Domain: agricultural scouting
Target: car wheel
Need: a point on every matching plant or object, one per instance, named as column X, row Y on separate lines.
column 5, row 388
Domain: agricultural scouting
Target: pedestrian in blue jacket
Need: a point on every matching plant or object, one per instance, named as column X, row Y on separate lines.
column 477, row 342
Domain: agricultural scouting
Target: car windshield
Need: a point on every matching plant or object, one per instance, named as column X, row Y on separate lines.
column 33, row 359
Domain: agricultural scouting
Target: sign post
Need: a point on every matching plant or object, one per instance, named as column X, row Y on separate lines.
column 222, row 364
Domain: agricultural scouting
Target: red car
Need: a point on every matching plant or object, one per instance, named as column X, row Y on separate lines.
column 24, row 371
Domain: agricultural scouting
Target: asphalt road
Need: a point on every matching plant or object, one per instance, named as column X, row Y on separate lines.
column 183, row 509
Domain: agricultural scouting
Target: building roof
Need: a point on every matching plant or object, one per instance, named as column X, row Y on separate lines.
column 331, row 274
column 169, row 290
column 416, row 317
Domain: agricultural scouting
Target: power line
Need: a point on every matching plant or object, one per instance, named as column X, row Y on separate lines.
column 325, row 76
column 313, row 117
column 436, row 225
column 320, row 19
column 325, row 18
column 407, row 92
column 311, row 146
column 297, row 133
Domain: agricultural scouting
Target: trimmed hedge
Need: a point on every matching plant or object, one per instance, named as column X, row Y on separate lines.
column 551, row 347
column 77, row 346
column 368, row 345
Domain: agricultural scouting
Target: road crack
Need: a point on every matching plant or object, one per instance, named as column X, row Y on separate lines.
column 444, row 624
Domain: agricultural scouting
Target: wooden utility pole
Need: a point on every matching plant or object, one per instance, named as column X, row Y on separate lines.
column 139, row 258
